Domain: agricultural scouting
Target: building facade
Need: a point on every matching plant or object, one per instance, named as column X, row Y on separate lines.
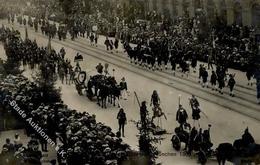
column 245, row 12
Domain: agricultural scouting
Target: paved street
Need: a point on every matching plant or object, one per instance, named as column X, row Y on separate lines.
column 228, row 116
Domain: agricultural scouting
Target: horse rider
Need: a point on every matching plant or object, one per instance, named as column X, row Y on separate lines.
column 247, row 138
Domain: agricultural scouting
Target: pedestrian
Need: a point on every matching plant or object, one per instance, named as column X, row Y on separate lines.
column 116, row 43
column 111, row 45
column 213, row 80
column 92, row 37
column 194, row 62
column 173, row 64
column 17, row 141
column 194, row 103
column 249, row 75
column 231, row 84
column 62, row 74
column 24, row 22
column 96, row 40
column 155, row 99
column 204, row 78
column 257, row 77
column 106, row 70
column 201, row 68
column 9, row 146
column 43, row 141
column 196, row 115
column 122, row 121
column 123, row 88
column 99, row 68
column 221, row 81
column 143, row 114
column 181, row 116
column 107, row 43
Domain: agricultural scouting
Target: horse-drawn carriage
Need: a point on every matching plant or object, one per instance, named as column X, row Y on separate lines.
column 101, row 87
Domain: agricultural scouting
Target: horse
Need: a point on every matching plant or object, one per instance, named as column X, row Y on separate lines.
column 237, row 153
column 115, row 93
column 102, row 94
column 132, row 53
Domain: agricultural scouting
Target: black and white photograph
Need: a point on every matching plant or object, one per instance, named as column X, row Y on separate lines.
column 129, row 82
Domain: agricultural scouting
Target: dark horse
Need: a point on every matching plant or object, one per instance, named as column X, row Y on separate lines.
column 132, row 53
column 102, row 94
column 238, row 153
column 104, row 88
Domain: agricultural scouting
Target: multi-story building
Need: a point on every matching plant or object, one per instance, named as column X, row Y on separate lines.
column 246, row 12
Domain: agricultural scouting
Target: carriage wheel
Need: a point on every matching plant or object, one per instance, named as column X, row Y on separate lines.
column 78, row 88
column 176, row 143
column 82, row 76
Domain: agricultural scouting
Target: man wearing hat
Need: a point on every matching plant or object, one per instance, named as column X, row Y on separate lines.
column 181, row 115
column 143, row 113
column 99, row 68
column 231, row 84
column 121, row 116
column 123, row 88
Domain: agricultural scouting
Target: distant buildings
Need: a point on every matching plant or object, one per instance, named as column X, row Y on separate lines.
column 245, row 12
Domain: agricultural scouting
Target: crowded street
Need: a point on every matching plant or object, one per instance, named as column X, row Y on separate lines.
column 102, row 87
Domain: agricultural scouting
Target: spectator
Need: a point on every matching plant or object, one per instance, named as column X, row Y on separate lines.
column 121, row 116
column 123, row 86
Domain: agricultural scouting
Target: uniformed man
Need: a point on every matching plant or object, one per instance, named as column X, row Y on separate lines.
column 231, row 84
column 155, row 99
column 181, row 116
column 121, row 116
column 123, row 88
column 99, row 68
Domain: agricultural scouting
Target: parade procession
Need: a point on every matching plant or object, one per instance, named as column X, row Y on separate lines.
column 130, row 82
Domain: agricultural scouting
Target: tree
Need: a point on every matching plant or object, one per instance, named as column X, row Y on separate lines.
column 67, row 6
column 146, row 139
column 46, row 82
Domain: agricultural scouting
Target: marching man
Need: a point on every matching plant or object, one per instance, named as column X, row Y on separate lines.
column 123, row 86
column 99, row 68
column 231, row 84
column 155, row 99
column 194, row 103
column 181, row 116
